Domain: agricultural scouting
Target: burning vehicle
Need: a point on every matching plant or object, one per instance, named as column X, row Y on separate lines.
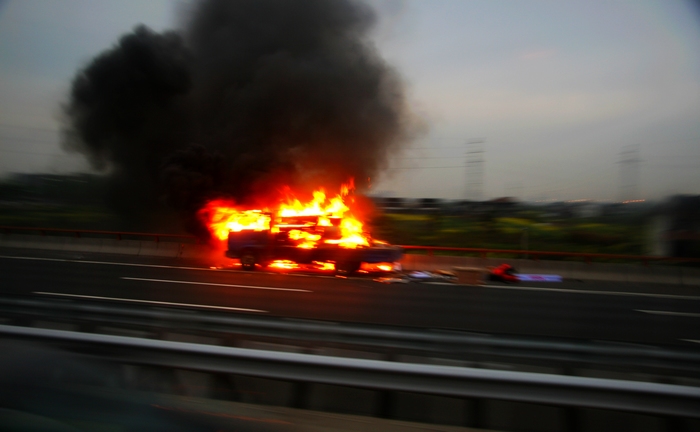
column 244, row 97
column 322, row 233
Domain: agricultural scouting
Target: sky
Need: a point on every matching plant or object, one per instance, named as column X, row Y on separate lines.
column 549, row 94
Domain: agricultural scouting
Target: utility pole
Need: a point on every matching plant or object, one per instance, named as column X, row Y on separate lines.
column 475, row 169
column 629, row 173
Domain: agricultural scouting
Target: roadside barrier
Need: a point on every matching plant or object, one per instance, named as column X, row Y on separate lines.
column 558, row 355
column 570, row 265
column 427, row 250
column 449, row 381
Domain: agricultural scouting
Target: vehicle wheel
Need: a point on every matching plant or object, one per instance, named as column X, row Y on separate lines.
column 248, row 261
column 346, row 268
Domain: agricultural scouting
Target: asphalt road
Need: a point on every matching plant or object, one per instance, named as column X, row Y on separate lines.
column 632, row 313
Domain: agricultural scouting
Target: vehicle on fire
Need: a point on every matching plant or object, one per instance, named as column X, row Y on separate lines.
column 304, row 240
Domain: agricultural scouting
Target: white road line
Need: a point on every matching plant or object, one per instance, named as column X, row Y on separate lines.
column 153, row 302
column 145, row 265
column 691, row 340
column 655, row 312
column 612, row 293
column 215, row 284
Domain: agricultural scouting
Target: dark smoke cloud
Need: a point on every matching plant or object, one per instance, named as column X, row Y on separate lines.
column 130, row 108
column 250, row 96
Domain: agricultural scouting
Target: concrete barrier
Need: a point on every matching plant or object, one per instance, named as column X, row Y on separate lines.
column 200, row 251
column 127, row 247
column 470, row 275
column 83, row 245
column 170, row 250
column 32, row 241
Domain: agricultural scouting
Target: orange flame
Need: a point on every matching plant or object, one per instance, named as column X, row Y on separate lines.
column 307, row 240
column 311, row 220
column 222, row 217
column 284, row 265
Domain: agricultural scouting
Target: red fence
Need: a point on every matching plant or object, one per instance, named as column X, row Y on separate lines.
column 430, row 250
column 588, row 257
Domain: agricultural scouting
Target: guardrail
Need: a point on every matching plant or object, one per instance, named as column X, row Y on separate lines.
column 387, row 341
column 429, row 250
column 638, row 397
column 535, row 255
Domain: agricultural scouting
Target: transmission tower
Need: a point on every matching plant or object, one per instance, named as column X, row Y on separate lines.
column 629, row 173
column 475, row 170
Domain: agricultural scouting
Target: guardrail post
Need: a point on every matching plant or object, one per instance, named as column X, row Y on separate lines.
column 299, row 392
column 572, row 420
column 119, row 236
column 385, row 404
column 157, row 239
column 77, row 234
column 475, row 413
column 430, row 252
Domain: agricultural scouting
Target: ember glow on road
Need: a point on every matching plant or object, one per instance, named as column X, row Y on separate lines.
column 160, row 303
column 215, row 284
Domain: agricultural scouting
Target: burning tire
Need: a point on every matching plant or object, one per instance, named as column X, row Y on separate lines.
column 347, row 268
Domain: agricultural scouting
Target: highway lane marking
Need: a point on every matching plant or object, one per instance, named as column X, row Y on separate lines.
column 153, row 302
column 618, row 293
column 149, row 265
column 621, row 293
column 670, row 313
column 215, row 284
column 691, row 340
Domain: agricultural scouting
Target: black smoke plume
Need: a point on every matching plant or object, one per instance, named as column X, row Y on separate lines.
column 250, row 96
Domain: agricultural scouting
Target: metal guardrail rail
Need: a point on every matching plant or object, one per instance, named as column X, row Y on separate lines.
column 638, row 397
column 588, row 257
column 429, row 250
column 390, row 341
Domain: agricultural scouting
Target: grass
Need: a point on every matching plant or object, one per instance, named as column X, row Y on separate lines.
column 626, row 236
column 613, row 235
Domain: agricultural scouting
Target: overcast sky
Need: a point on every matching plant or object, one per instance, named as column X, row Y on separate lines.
column 554, row 90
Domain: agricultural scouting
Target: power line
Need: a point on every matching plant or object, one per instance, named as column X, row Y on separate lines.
column 37, row 141
column 440, row 167
column 475, row 169
column 432, row 147
column 29, row 128
column 34, row 153
column 629, row 173
column 427, row 157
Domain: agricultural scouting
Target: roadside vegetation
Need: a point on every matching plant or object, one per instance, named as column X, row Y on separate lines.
column 79, row 202
column 530, row 229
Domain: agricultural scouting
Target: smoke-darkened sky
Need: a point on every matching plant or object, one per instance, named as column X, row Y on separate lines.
column 556, row 91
